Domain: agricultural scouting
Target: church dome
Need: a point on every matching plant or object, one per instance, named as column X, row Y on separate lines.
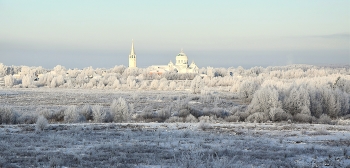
column 181, row 58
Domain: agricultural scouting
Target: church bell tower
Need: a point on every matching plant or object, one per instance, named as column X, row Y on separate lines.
column 132, row 56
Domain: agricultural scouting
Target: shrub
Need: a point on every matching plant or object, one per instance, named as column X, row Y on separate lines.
column 220, row 112
column 324, row 119
column 27, row 118
column 41, row 124
column 195, row 112
column 174, row 119
column 257, row 117
column 302, row 118
column 320, row 132
column 282, row 116
column 147, row 114
column 191, row 119
column 278, row 114
column 71, row 115
column 57, row 116
column 120, row 110
column 8, row 115
column 204, row 119
column 204, row 126
column 164, row 114
column 242, row 115
column 99, row 115
column 232, row 118
column 86, row 111
column 184, row 112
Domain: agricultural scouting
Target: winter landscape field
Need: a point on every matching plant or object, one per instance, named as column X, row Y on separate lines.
column 287, row 116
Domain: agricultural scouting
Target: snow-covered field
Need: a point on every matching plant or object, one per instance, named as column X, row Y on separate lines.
column 198, row 144
column 290, row 116
column 175, row 145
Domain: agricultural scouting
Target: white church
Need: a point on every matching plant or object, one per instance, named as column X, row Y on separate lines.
column 180, row 66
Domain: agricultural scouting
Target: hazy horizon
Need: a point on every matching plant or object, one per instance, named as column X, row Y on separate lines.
column 78, row 34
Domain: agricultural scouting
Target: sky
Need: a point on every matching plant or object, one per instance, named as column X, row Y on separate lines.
column 223, row 33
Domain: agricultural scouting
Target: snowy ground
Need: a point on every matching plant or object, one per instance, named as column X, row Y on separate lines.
column 161, row 144
column 28, row 100
column 175, row 145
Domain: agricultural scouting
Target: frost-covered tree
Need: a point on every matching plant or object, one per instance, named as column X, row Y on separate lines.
column 316, row 102
column 59, row 69
column 27, row 81
column 9, row 80
column 3, row 69
column 331, row 104
column 196, row 85
column 154, row 84
column 247, row 89
column 120, row 110
column 210, row 72
column 297, row 100
column 117, row 84
column 264, row 100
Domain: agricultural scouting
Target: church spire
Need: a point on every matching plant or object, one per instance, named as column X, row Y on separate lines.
column 132, row 56
column 132, row 48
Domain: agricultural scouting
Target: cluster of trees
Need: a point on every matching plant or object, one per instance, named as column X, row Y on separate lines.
column 302, row 93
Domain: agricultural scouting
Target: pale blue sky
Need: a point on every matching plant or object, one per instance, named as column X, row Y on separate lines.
column 217, row 33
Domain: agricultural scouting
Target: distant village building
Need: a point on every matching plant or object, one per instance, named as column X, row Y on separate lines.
column 132, row 56
column 180, row 66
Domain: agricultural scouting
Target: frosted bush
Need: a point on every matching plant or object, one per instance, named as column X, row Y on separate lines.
column 204, row 119
column 174, row 119
column 220, row 112
column 164, row 114
column 204, row 126
column 278, row 114
column 232, row 118
column 41, row 124
column 27, row 118
column 281, row 115
column 324, row 119
column 52, row 115
column 191, row 119
column 71, row 115
column 86, row 111
column 302, row 118
column 184, row 112
column 172, row 85
column 120, row 110
column 99, row 114
column 319, row 132
column 116, row 84
column 258, row 117
column 8, row 115
column 154, row 84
